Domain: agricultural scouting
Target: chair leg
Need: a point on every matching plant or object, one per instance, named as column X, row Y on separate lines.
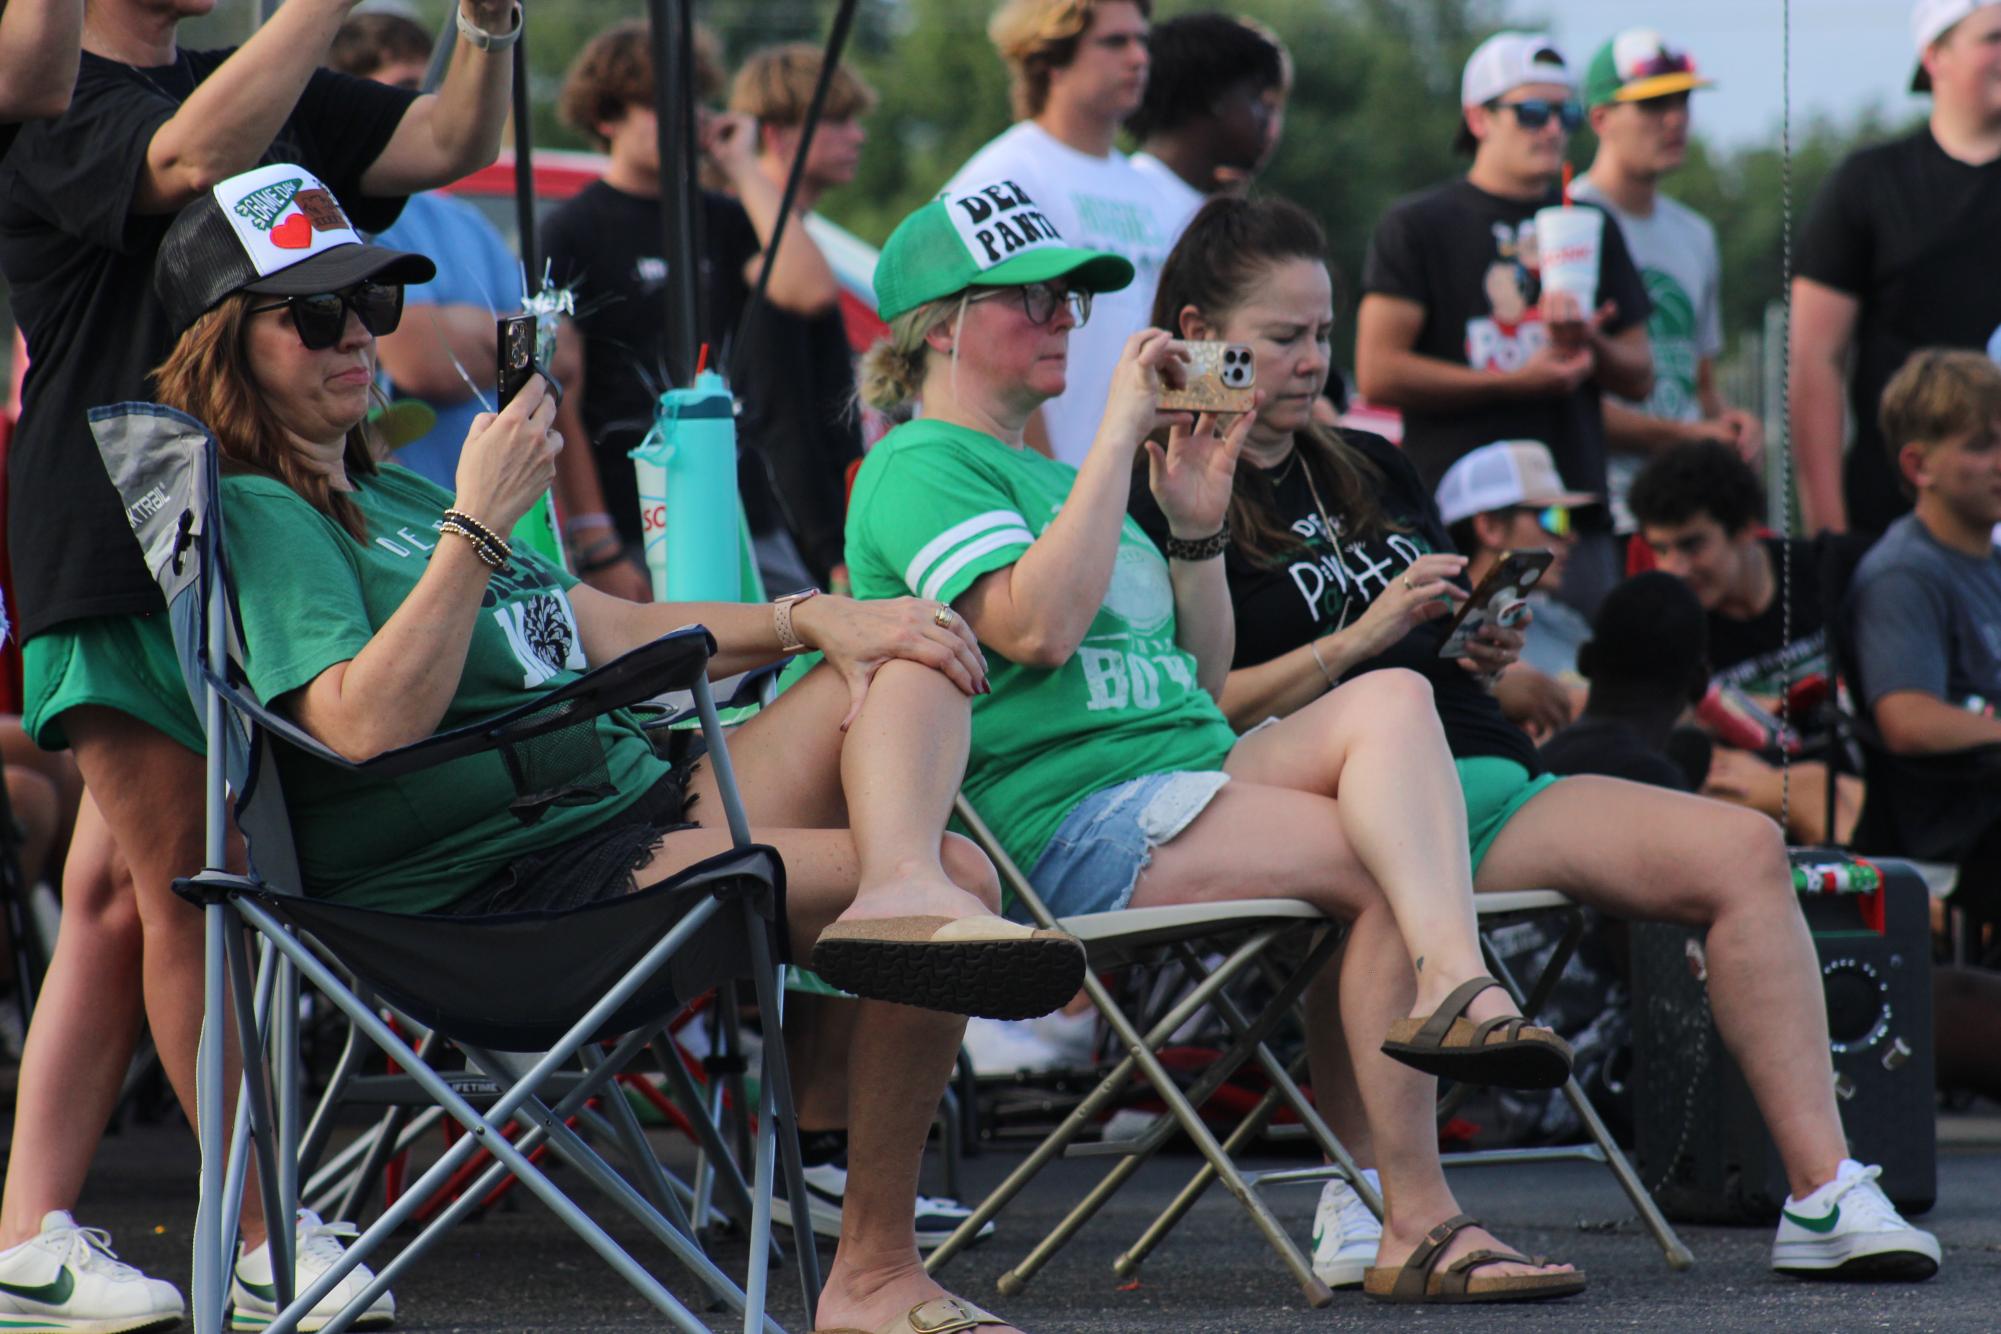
column 716, row 1159
column 782, row 1121
column 361, row 1188
column 256, row 1093
column 210, row 1286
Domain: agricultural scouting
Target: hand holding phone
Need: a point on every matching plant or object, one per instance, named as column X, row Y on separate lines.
column 1220, row 377
column 1501, row 598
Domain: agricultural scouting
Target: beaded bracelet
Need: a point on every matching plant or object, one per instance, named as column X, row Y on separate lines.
column 1200, row 548
column 474, row 528
column 491, row 558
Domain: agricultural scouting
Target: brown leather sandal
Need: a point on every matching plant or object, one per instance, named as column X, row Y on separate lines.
column 1523, row 1056
column 983, row 965
column 1419, row 1281
column 940, row 1315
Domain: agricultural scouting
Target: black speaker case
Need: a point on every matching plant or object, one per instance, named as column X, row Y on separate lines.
column 1701, row 1146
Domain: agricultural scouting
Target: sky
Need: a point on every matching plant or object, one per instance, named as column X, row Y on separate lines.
column 1846, row 55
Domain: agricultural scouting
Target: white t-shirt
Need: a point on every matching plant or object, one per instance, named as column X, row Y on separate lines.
column 1098, row 203
column 1674, row 248
column 1178, row 199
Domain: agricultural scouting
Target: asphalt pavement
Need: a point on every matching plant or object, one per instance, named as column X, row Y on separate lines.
column 517, row 1269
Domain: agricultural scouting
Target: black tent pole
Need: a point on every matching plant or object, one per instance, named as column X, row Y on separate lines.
column 524, row 168
column 837, row 40
column 671, row 28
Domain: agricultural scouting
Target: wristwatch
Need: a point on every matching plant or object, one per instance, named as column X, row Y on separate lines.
column 781, row 619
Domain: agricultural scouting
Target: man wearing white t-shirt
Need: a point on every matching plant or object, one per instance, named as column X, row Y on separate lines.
column 1080, row 68
column 1637, row 91
column 1204, row 124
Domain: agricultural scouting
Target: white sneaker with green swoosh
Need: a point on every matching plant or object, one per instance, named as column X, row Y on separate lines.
column 1849, row 1229
column 67, row 1279
column 253, row 1296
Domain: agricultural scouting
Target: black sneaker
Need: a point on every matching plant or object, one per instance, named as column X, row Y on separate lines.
column 827, row 1185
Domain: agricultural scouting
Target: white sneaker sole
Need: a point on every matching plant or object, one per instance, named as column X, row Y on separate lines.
column 1908, row 1257
column 17, row 1322
column 254, row 1320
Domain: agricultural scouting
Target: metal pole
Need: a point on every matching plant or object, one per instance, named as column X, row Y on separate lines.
column 672, row 32
column 524, row 168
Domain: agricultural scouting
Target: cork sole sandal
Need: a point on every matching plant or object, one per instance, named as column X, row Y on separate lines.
column 940, row 1315
column 1419, row 1281
column 986, row 966
column 1505, row 1053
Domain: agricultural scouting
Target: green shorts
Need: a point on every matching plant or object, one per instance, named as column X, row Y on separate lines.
column 125, row 663
column 1494, row 789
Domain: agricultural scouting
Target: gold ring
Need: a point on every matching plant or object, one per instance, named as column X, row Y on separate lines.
column 1408, row 586
column 943, row 617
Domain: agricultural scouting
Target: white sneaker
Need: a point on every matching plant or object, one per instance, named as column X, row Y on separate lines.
column 253, row 1296
column 827, row 1189
column 1345, row 1233
column 999, row 1047
column 1849, row 1229
column 67, row 1278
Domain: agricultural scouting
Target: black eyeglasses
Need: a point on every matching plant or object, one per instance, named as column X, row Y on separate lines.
column 321, row 317
column 1039, row 302
column 1534, row 112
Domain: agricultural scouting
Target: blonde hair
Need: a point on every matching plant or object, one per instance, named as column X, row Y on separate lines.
column 1037, row 37
column 208, row 376
column 1937, row 395
column 776, row 86
column 892, row 370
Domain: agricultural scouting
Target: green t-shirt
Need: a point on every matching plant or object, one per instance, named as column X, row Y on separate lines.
column 935, row 507
column 310, row 596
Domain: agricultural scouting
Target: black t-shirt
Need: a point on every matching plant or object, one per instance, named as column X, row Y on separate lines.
column 608, row 243
column 1910, row 233
column 1753, row 654
column 8, row 131
column 79, row 261
column 1469, row 259
column 798, row 428
column 1612, row 748
column 1320, row 586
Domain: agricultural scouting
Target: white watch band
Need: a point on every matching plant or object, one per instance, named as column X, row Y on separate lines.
column 488, row 41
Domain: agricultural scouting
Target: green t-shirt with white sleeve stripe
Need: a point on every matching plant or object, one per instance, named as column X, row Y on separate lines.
column 935, row 507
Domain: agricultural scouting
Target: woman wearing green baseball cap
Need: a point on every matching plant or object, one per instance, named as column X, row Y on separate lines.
column 1101, row 758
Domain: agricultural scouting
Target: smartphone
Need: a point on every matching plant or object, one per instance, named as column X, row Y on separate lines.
column 1222, row 377
column 516, row 340
column 1501, row 599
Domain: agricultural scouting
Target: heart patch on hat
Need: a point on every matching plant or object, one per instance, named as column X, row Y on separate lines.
column 282, row 214
column 999, row 221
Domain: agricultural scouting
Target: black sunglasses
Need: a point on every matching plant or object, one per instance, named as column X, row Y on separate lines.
column 1534, row 112
column 321, row 317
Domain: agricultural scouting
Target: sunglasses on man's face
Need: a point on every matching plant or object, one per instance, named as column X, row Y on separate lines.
column 1554, row 520
column 1533, row 113
column 321, row 317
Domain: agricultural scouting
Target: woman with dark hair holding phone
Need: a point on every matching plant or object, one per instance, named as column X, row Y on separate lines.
column 1338, row 569
column 377, row 608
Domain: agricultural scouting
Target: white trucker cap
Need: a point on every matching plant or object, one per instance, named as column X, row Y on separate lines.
column 1507, row 472
column 1506, row 61
column 1929, row 21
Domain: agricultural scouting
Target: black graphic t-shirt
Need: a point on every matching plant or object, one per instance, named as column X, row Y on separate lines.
column 79, row 266
column 1611, row 748
column 1753, row 655
column 607, row 243
column 1470, row 259
column 1908, row 231
column 1322, row 585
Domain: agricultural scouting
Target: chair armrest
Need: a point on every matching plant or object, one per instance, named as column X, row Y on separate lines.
column 675, row 661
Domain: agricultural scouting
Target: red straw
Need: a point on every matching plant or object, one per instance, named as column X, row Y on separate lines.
column 702, row 357
column 1566, row 185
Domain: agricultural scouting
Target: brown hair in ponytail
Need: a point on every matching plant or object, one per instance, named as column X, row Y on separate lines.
column 207, row 376
column 1229, row 245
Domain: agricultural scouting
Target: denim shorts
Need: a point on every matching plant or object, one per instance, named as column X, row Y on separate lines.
column 1094, row 861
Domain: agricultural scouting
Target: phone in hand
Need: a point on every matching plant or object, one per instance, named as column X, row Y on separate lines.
column 1500, row 599
column 519, row 360
column 1222, row 377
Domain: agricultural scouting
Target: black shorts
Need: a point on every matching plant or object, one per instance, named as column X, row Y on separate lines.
column 596, row 865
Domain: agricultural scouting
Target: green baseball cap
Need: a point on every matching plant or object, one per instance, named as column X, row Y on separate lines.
column 984, row 236
column 1636, row 65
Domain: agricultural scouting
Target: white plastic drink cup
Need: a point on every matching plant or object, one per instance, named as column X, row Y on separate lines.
column 1569, row 241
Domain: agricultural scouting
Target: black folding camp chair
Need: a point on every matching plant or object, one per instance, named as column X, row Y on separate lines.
column 524, row 996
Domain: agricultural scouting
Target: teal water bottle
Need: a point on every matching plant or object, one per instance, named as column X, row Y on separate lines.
column 693, row 530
